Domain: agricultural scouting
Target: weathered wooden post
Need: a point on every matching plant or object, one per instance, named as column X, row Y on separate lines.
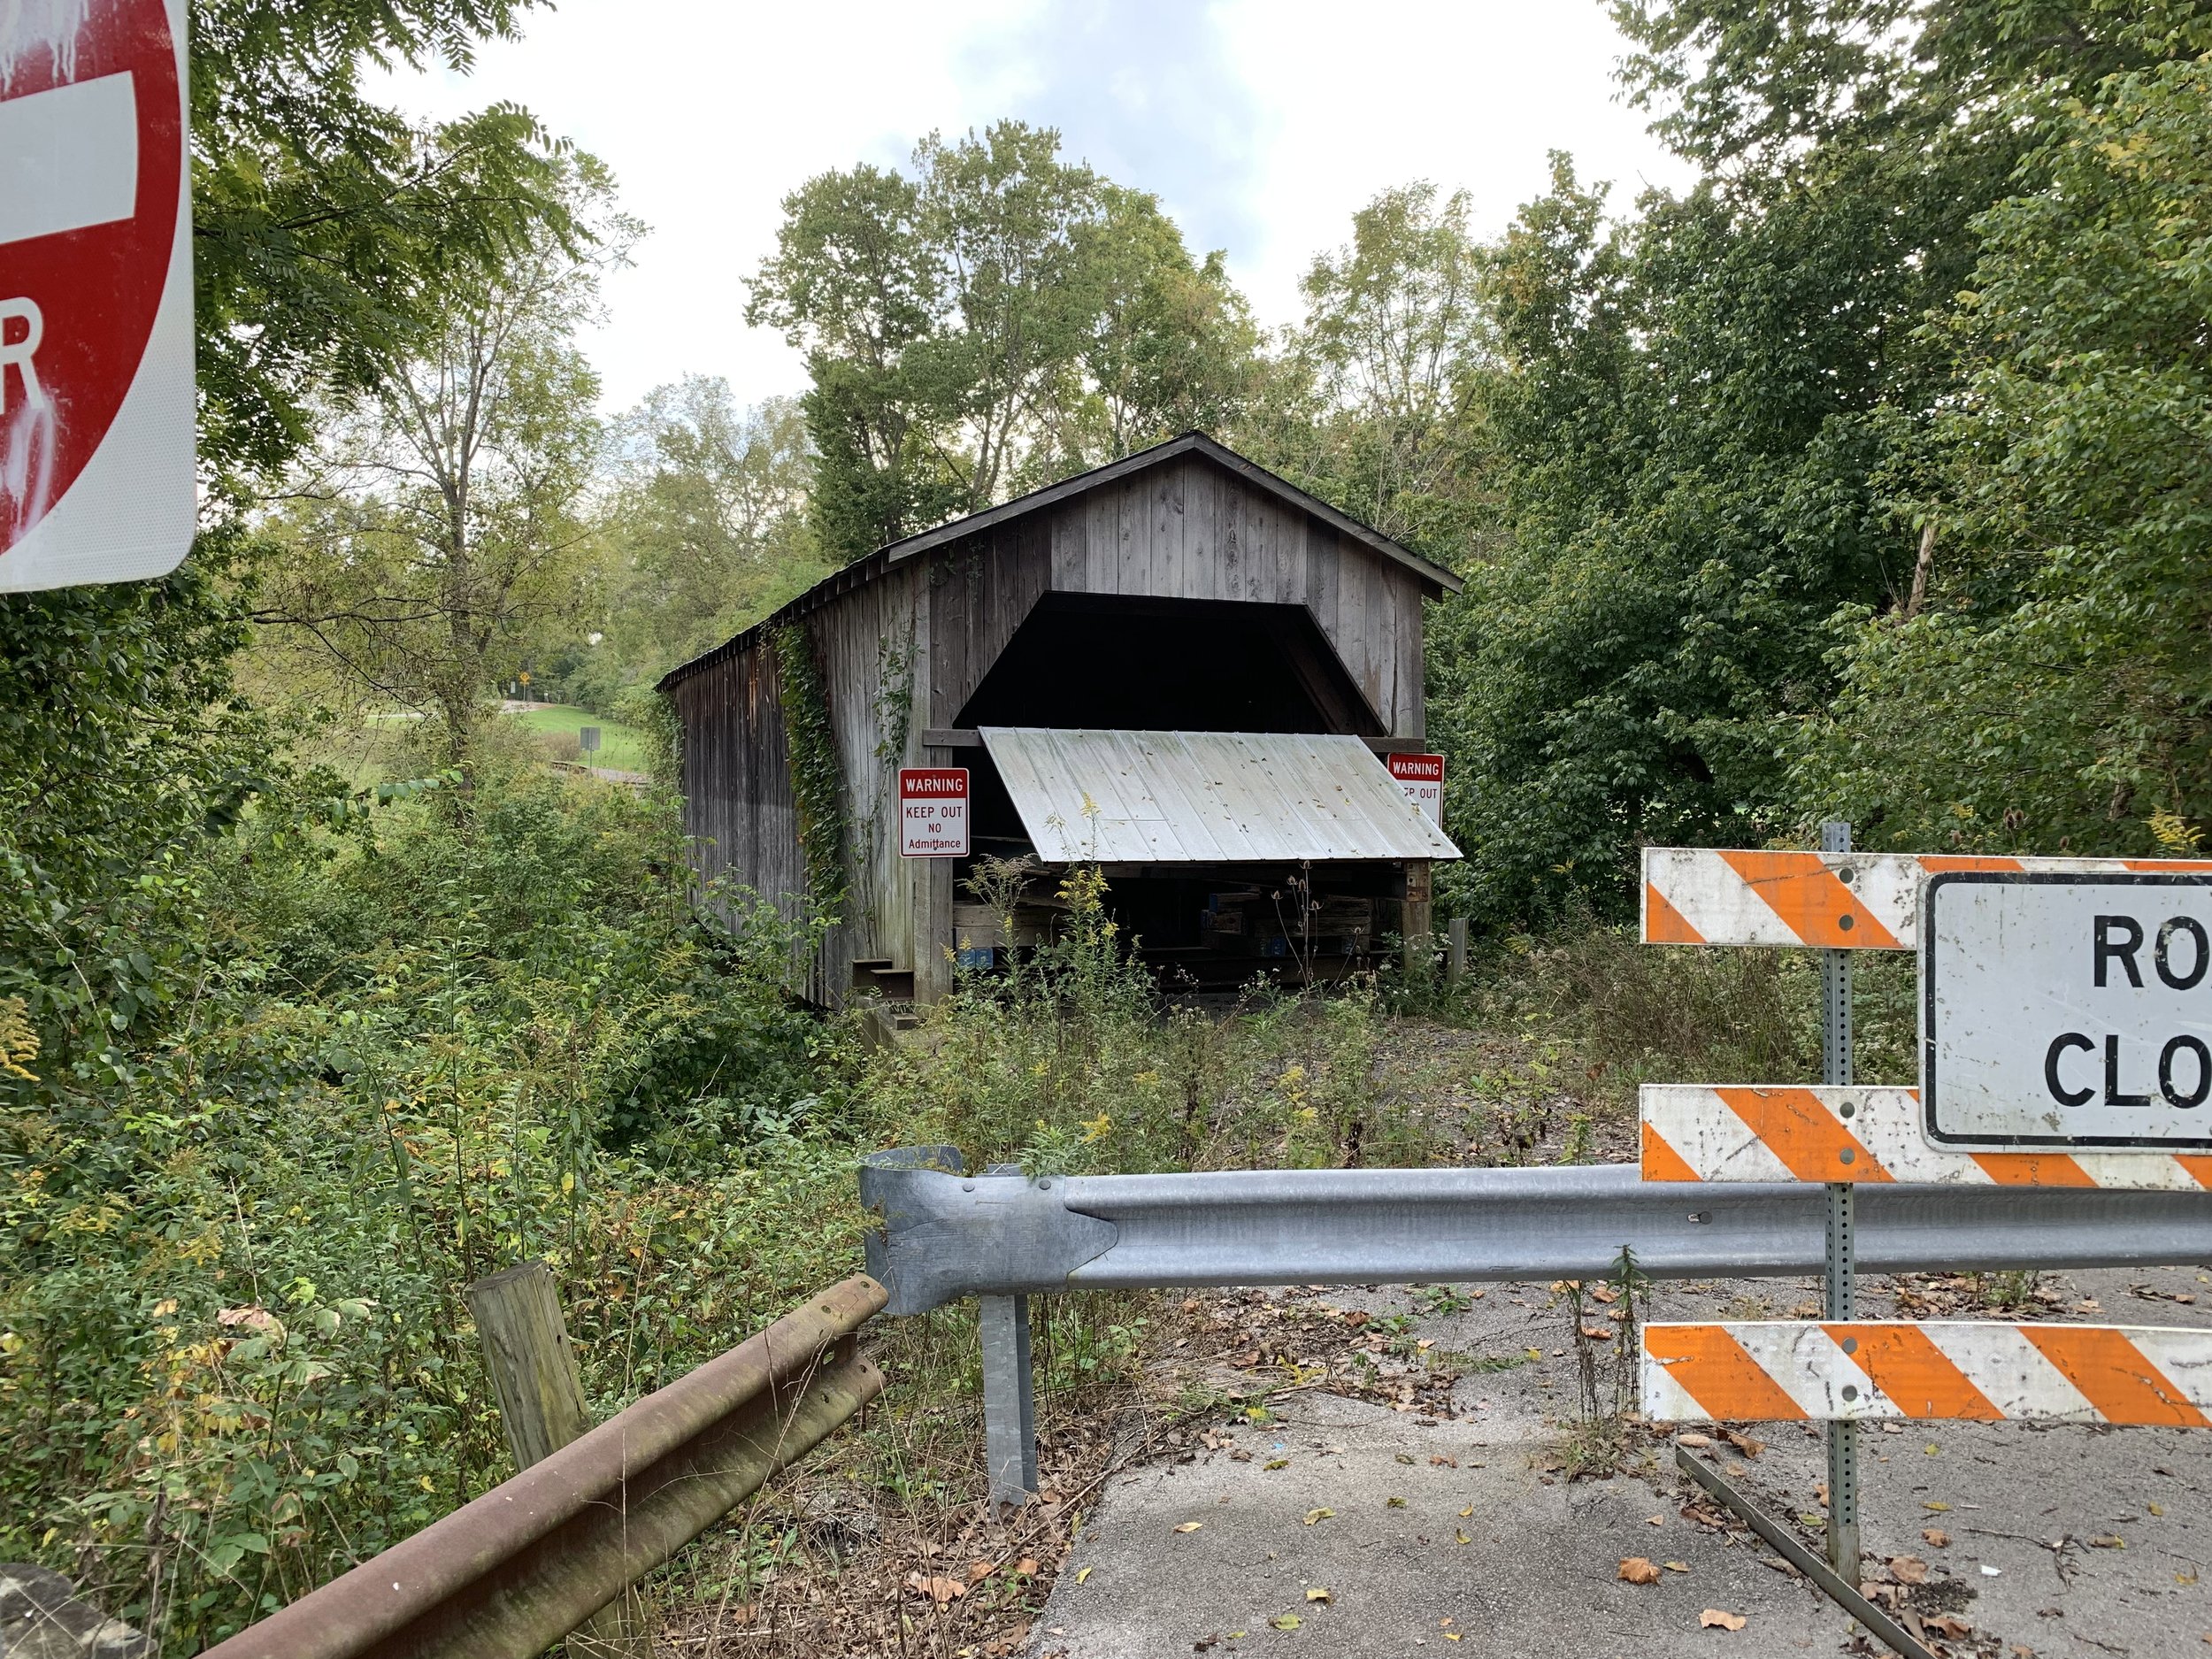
column 542, row 1407
column 1456, row 961
column 1416, row 913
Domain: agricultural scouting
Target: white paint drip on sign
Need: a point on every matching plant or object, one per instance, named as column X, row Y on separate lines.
column 51, row 27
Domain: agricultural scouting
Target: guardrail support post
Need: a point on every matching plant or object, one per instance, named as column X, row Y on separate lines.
column 1843, row 1273
column 541, row 1409
column 1456, row 961
column 1009, row 1399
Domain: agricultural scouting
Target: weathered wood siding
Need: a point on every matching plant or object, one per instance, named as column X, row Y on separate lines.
column 1184, row 530
column 738, row 804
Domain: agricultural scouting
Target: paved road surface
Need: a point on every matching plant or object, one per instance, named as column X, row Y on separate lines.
column 1512, row 1560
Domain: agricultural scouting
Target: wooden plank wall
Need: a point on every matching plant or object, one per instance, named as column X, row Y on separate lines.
column 738, row 805
column 1186, row 530
column 871, row 646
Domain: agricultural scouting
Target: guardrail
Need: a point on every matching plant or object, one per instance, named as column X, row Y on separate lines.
column 512, row 1572
column 1003, row 1237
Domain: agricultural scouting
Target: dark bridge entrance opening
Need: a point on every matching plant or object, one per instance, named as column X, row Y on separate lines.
column 1170, row 665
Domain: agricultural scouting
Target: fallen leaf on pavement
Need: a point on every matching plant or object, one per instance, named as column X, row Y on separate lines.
column 1713, row 1618
column 1190, row 1526
column 1743, row 1442
column 1693, row 1440
column 1467, row 1512
column 936, row 1589
column 1439, row 1461
column 1279, row 1462
column 1318, row 1593
column 1938, row 1508
column 1676, row 1566
column 1393, row 1503
column 1636, row 1569
column 1597, row 1333
column 2108, row 1540
column 1655, row 1520
column 1286, row 1621
column 1909, row 1568
column 1405, row 1457
column 1947, row 1624
column 1318, row 1514
column 1082, row 1575
column 1462, row 1535
column 1935, row 1537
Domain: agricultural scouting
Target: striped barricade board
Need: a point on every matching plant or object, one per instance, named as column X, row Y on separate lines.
column 1698, row 895
column 1698, row 1132
column 1975, row 1370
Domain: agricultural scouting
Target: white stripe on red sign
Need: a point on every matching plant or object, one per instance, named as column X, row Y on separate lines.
column 1699, row 1132
column 1702, row 895
column 68, row 158
column 1977, row 1370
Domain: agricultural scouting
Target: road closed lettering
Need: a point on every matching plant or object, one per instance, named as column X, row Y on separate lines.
column 934, row 811
column 2065, row 1010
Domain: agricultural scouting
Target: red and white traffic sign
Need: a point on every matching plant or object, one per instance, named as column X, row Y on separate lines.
column 1422, row 778
column 97, row 479
column 934, row 811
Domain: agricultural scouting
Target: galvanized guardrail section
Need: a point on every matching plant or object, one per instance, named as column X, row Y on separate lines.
column 946, row 1234
column 1002, row 1237
column 509, row 1574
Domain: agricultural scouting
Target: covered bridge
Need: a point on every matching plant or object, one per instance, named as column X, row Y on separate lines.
column 1177, row 666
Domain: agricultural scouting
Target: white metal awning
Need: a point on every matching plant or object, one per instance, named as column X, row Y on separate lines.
column 1206, row 797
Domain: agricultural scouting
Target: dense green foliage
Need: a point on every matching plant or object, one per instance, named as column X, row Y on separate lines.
column 1723, row 427
column 2052, row 692
column 417, row 1046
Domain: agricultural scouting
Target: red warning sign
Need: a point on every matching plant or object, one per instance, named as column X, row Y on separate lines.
column 1422, row 778
column 934, row 811
column 96, row 293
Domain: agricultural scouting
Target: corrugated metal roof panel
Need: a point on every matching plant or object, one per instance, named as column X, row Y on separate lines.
column 1206, row 797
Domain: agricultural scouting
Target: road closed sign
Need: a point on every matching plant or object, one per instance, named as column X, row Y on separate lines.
column 97, row 479
column 1422, row 778
column 2066, row 1010
column 934, row 811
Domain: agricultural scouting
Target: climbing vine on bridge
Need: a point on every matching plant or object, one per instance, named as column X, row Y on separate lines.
column 816, row 781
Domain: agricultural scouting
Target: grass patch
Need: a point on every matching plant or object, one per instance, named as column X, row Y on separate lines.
column 621, row 748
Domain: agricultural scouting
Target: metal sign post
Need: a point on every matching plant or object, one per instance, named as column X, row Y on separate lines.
column 1842, row 1287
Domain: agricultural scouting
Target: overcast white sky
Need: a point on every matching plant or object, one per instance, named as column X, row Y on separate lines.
column 1261, row 124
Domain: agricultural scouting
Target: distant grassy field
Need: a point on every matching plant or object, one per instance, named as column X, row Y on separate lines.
column 620, row 747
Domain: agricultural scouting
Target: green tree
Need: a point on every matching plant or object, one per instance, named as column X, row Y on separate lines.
column 2045, row 688
column 322, row 237
column 442, row 534
column 1395, row 344
column 999, row 319
column 1712, row 422
column 701, row 531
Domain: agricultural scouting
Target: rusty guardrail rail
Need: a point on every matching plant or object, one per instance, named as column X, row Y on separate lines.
column 509, row 1574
